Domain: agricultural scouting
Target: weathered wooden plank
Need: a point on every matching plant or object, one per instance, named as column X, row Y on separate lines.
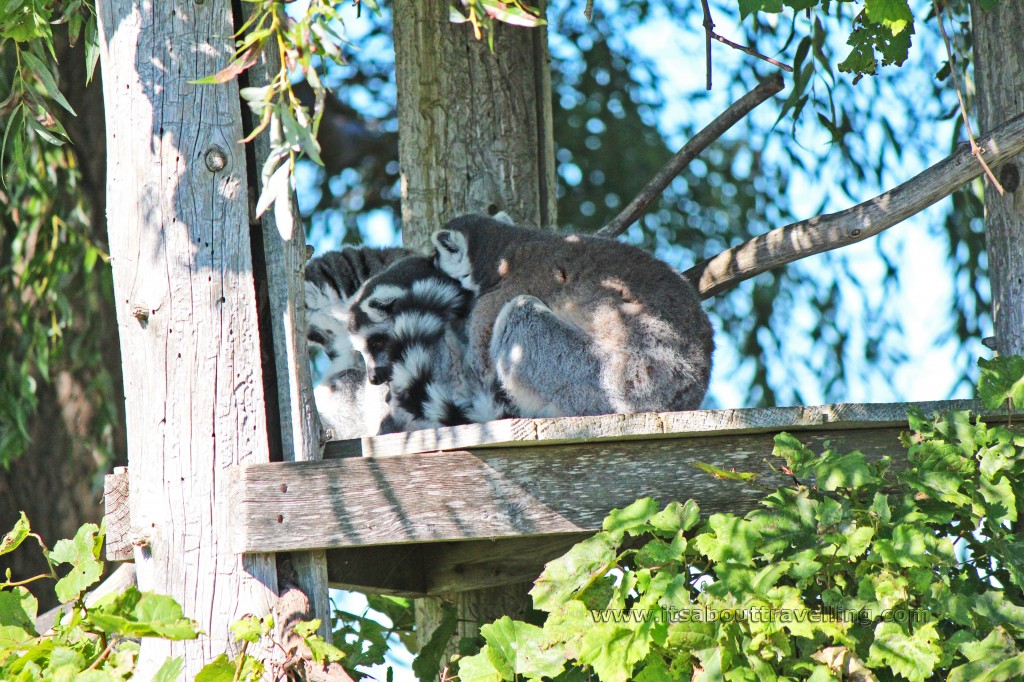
column 528, row 432
column 502, row 492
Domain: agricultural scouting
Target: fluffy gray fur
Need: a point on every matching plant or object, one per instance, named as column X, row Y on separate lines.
column 408, row 322
column 577, row 324
column 349, row 406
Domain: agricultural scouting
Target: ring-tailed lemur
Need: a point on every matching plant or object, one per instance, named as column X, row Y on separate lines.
column 408, row 322
column 577, row 324
column 348, row 405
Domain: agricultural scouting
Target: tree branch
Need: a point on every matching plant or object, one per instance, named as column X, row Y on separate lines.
column 698, row 143
column 831, row 231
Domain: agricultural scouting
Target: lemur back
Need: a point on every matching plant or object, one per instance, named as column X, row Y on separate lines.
column 577, row 324
column 348, row 405
column 408, row 322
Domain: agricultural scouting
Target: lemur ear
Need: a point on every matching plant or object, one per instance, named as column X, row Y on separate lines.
column 446, row 240
column 384, row 305
column 503, row 217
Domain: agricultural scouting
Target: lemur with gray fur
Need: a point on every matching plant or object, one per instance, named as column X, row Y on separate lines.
column 408, row 323
column 349, row 406
column 577, row 324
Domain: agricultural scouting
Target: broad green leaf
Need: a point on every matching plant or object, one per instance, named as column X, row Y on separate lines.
column 563, row 577
column 612, row 650
column 16, row 536
column 733, row 539
column 143, row 614
column 82, row 553
column 248, row 629
column 18, row 607
column 13, row 637
column 1001, row 379
column 515, row 649
column 478, row 668
column 220, row 669
column 893, row 14
column 677, row 517
column 913, row 656
column 844, row 471
column 993, row 659
column 324, row 652
column 633, row 520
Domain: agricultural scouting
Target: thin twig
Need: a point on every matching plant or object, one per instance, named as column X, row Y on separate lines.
column 698, row 143
column 709, row 31
column 752, row 52
column 709, row 35
column 975, row 149
column 831, row 231
column 241, row 662
column 102, row 656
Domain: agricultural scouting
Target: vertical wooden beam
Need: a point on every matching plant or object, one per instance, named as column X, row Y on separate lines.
column 283, row 256
column 178, row 221
column 474, row 125
column 474, row 135
column 999, row 67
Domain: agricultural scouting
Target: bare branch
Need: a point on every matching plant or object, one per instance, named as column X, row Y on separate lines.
column 698, row 143
column 831, row 231
column 752, row 52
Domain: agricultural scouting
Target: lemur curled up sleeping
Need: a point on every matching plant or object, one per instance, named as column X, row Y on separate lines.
column 348, row 405
column 408, row 323
column 576, row 324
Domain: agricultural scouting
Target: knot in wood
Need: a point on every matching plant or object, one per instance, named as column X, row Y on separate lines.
column 1009, row 177
column 216, row 159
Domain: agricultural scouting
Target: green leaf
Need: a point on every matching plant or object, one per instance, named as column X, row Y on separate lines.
column 171, row 670
column 143, row 614
column 13, row 638
column 220, row 669
column 324, row 652
column 676, row 517
column 913, row 656
column 1001, row 379
column 248, row 629
column 733, row 539
column 82, row 553
column 613, row 649
column 844, row 471
column 18, row 607
column 478, row 668
column 515, row 649
column 893, row 14
column 633, row 520
column 42, row 72
column 563, row 577
column 723, row 474
column 16, row 536
column 993, row 659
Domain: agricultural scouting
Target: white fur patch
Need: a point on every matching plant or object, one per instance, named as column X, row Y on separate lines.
column 416, row 324
column 456, row 264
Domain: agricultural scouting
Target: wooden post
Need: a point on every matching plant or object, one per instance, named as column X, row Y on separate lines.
column 178, row 220
column 283, row 259
column 999, row 66
column 474, row 136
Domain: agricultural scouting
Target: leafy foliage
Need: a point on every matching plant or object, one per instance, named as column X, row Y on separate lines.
column 49, row 265
column 859, row 570
column 98, row 642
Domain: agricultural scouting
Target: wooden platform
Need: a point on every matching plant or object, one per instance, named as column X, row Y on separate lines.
column 473, row 506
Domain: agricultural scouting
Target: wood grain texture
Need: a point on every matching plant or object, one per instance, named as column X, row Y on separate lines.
column 185, row 296
column 527, row 432
column 831, row 231
column 504, row 492
column 118, row 540
column 999, row 65
column 474, row 125
column 284, row 259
